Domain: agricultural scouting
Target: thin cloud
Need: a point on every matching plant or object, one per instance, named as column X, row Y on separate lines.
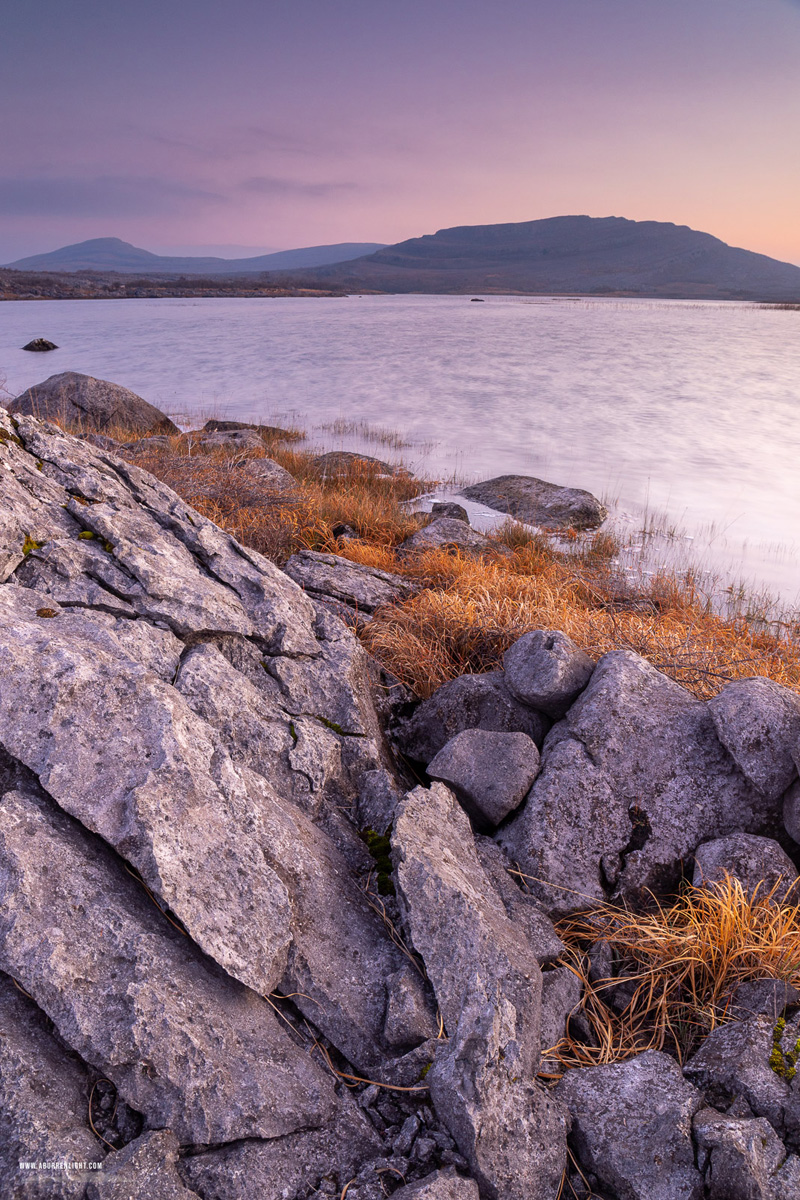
column 104, row 196
column 268, row 185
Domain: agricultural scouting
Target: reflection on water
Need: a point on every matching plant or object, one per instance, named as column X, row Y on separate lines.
column 687, row 409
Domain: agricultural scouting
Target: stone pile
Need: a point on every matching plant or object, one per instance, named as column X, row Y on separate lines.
column 259, row 930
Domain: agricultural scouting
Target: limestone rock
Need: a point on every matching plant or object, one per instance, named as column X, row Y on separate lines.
column 441, row 1185
column 791, row 811
column 449, row 508
column 344, row 462
column 286, row 1168
column 271, row 474
column 758, row 722
column 44, row 1102
column 40, row 345
column 758, row 863
column 561, row 995
column 447, row 533
column 738, row 1157
column 734, row 1061
column 410, row 1012
column 468, row 702
column 87, row 404
column 268, row 433
column 632, row 781
column 363, row 588
column 769, row 997
column 632, row 1127
column 491, row 773
column 183, row 1043
column 547, row 671
column 520, row 906
column 145, row 1167
column 539, row 503
column 234, row 441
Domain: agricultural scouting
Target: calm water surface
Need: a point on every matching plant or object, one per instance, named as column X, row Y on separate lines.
column 687, row 408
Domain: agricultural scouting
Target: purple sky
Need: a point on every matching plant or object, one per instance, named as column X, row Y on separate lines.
column 279, row 123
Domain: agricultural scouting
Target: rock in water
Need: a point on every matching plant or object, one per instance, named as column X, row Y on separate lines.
column 89, row 405
column 539, row 503
column 40, row 346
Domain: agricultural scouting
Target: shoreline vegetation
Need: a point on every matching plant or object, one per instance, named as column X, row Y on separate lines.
column 468, row 609
column 94, row 285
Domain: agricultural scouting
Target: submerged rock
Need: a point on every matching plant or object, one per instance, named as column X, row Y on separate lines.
column 87, row 404
column 40, row 345
column 539, row 503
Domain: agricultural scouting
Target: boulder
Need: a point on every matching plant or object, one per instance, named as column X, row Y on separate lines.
column 441, row 1185
column 345, row 462
column 445, row 533
column 449, row 508
column 547, row 671
column 632, row 1127
column 181, row 1042
column 44, row 1104
column 233, row 441
column 734, row 1061
column 739, row 1157
column 40, row 345
column 520, row 906
column 539, row 503
column 758, row 723
column 87, row 404
column 271, row 474
column 759, row 863
column 791, row 812
column 468, row 702
column 362, row 588
column 286, row 1168
column 770, row 997
column 146, row 1167
column 632, row 780
column 490, row 773
column 488, row 987
column 158, row 441
column 268, row 433
column 561, row 996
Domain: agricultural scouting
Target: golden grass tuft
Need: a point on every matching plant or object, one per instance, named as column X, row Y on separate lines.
column 681, row 963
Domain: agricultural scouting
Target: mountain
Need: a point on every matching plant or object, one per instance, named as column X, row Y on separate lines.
column 588, row 255
column 112, row 254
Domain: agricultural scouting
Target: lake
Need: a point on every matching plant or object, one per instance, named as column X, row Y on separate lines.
column 686, row 410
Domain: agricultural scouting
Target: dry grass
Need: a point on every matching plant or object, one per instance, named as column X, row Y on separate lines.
column 469, row 610
column 681, row 963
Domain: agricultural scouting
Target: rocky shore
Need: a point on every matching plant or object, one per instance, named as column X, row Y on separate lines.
column 272, row 927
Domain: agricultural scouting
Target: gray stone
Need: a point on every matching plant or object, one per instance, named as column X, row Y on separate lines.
column 44, row 1104
column 547, row 671
column 271, row 474
column 363, row 588
column 102, row 441
column 632, row 781
column 233, row 441
column 468, row 702
column 145, row 1167
column 491, row 773
column 488, row 986
column 520, row 906
column 268, row 433
column 446, row 533
column 40, row 345
column 449, row 508
column 539, row 503
column 738, row 1157
column 410, row 1011
column 378, row 799
column 89, row 404
column 286, row 1168
column 441, row 1185
column 561, row 995
column 791, row 812
column 734, row 1061
column 769, row 997
column 158, row 441
column 759, row 863
column 184, row 1044
column 632, row 1127
column 786, row 1181
column 758, row 722
column 345, row 462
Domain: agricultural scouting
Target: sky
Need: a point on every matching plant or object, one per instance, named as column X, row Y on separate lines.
column 266, row 124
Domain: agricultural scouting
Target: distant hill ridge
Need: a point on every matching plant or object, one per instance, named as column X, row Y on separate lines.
column 112, row 254
column 573, row 254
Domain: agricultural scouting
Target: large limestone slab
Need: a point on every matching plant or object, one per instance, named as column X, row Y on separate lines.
column 88, row 404
column 361, row 587
column 185, row 1045
column 632, row 781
